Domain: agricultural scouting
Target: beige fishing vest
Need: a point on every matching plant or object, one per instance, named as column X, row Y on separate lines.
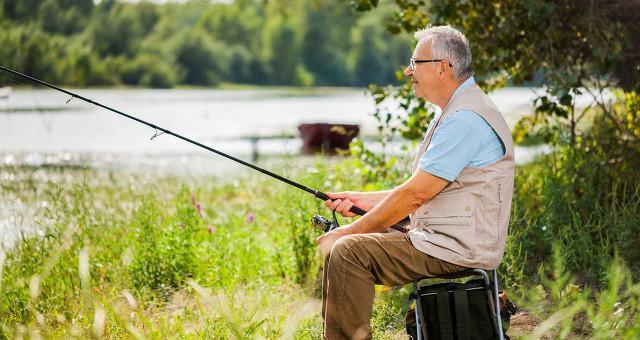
column 466, row 223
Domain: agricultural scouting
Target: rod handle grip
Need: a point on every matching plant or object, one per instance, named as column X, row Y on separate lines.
column 357, row 211
column 321, row 195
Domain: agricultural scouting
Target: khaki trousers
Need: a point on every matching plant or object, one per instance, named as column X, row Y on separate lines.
column 358, row 262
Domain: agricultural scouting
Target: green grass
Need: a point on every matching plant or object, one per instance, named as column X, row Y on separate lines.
column 246, row 243
column 128, row 256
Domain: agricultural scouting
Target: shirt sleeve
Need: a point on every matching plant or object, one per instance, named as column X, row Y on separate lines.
column 453, row 145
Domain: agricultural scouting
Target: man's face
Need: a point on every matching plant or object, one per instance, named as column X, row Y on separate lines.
column 425, row 76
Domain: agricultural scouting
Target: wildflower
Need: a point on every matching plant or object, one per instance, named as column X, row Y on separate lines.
column 198, row 206
column 210, row 229
column 200, row 212
column 250, row 217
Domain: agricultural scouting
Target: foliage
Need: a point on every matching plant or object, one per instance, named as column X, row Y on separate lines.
column 146, row 243
column 199, row 43
column 569, row 309
column 164, row 248
column 115, row 30
column 588, row 191
column 569, row 54
column 147, row 70
column 324, row 47
column 570, row 42
column 202, row 60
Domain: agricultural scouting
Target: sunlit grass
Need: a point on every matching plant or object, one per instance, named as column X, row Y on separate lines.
column 125, row 255
column 118, row 254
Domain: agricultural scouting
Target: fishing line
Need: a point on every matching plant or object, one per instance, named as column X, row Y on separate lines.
column 35, row 105
column 319, row 221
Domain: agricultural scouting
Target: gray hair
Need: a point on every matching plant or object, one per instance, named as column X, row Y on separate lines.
column 450, row 44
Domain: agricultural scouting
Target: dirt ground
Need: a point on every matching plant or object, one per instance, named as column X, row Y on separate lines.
column 523, row 324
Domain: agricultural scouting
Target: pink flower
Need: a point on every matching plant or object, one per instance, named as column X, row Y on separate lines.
column 210, row 229
column 198, row 206
column 200, row 212
column 250, row 217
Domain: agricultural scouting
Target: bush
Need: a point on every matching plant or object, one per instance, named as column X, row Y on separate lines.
column 568, row 309
column 24, row 48
column 149, row 71
column 586, row 196
column 203, row 60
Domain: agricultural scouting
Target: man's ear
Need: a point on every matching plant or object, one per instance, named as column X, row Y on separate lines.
column 442, row 71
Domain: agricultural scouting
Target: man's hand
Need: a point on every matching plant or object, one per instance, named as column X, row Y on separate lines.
column 343, row 201
column 325, row 242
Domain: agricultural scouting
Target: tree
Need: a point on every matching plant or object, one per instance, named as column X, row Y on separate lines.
column 326, row 42
column 283, row 47
column 115, row 30
column 65, row 16
column 20, row 10
column 203, row 60
column 573, row 45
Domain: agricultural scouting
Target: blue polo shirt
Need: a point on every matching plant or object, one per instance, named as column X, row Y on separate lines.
column 463, row 139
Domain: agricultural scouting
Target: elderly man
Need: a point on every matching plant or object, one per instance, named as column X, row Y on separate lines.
column 458, row 199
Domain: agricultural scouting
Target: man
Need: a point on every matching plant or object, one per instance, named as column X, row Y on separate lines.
column 458, row 199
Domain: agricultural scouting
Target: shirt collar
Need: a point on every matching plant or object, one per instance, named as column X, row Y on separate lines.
column 470, row 81
column 465, row 84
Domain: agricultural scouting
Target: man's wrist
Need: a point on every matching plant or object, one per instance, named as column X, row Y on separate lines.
column 355, row 228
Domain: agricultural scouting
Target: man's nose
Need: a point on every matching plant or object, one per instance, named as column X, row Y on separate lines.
column 408, row 71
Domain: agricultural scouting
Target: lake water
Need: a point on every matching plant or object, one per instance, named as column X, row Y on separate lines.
column 39, row 127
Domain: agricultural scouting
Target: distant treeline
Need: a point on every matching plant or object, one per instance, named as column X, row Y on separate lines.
column 283, row 42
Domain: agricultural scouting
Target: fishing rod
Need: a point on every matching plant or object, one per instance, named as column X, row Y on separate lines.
column 317, row 220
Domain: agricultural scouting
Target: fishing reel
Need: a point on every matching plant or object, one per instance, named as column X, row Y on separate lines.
column 323, row 224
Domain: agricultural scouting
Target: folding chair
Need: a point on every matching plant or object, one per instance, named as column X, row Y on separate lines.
column 492, row 284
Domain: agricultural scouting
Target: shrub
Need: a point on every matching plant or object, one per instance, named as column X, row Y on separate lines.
column 585, row 196
column 148, row 70
column 568, row 309
column 202, row 59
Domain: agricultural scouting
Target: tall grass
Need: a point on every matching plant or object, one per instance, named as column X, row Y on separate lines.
column 146, row 241
column 128, row 256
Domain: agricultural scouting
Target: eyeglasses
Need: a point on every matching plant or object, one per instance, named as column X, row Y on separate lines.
column 414, row 61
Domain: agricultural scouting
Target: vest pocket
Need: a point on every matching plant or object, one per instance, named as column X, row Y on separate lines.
column 447, row 207
column 451, row 235
column 448, row 222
